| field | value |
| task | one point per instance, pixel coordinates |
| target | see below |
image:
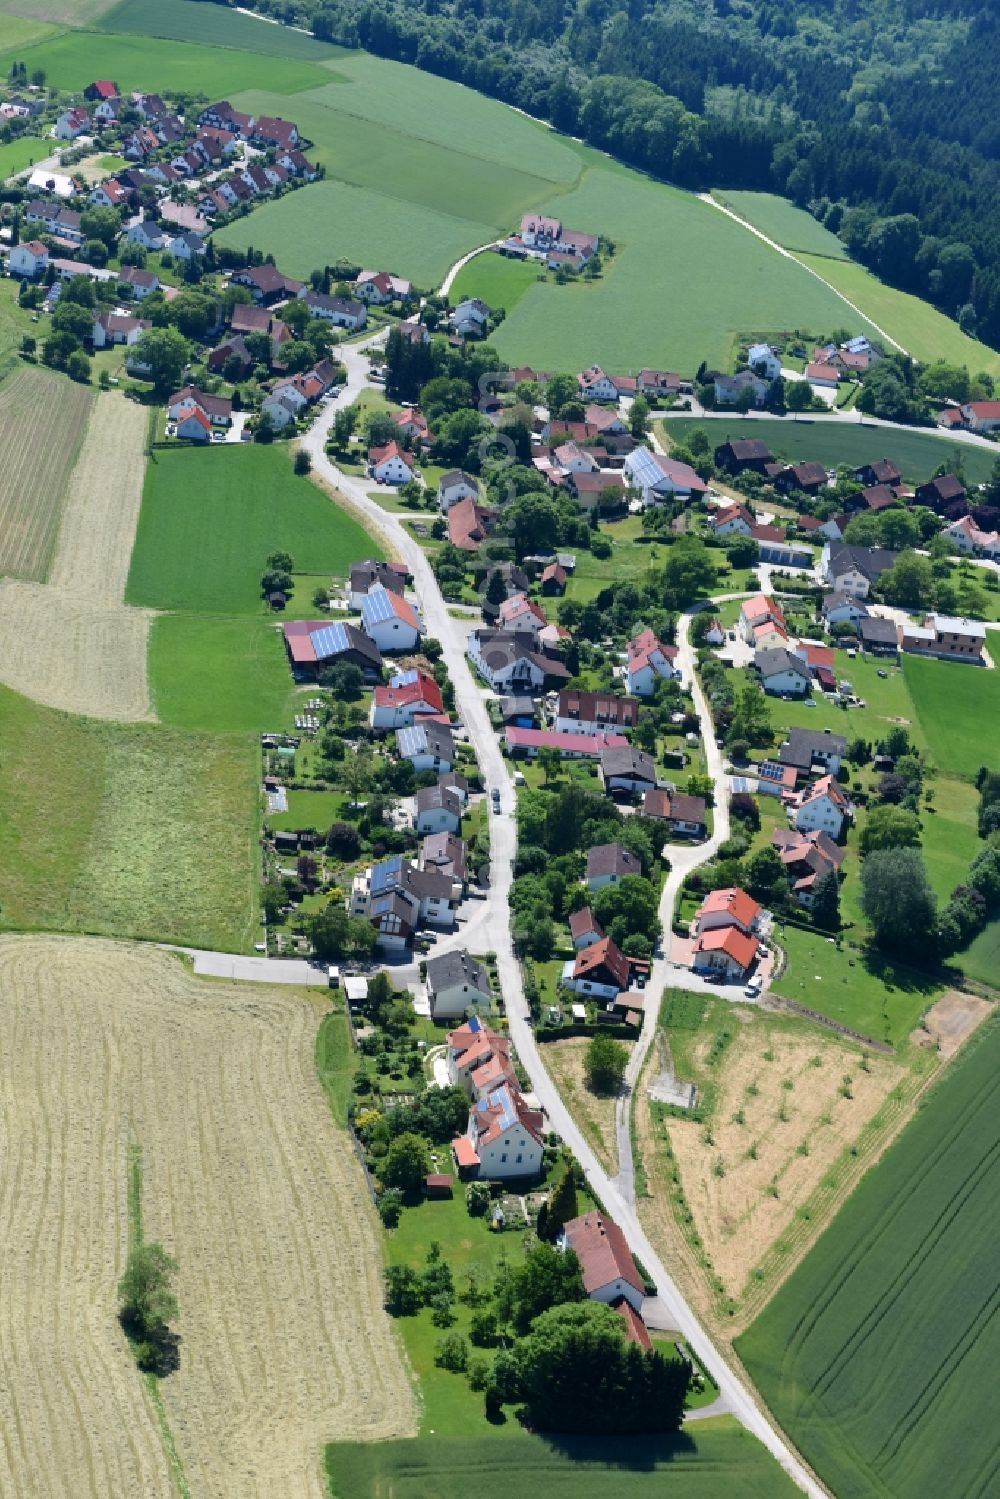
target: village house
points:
(428, 745)
(373, 573)
(71, 123)
(948, 638)
(657, 385)
(139, 283)
(944, 495)
(729, 388)
(781, 672)
(447, 853)
(456, 985)
(684, 815)
(528, 742)
(504, 1138)
(842, 608)
(732, 520)
(218, 409)
(437, 810)
(455, 486)
(192, 425)
(813, 750)
(269, 130)
(342, 312)
(408, 695)
(608, 1270)
(313, 644)
(599, 971)
(807, 858)
(821, 807)
(379, 287)
(879, 637)
(470, 318)
(397, 897)
(853, 569)
(390, 465)
(596, 386)
(729, 907)
(478, 1059)
(609, 864)
(774, 779)
(647, 660)
(807, 477)
(109, 194)
(972, 416)
(584, 928)
(186, 246)
(512, 663)
(265, 283)
(147, 234)
(468, 525)
(764, 362)
(725, 951)
(657, 477)
(112, 328)
(580, 712)
(626, 770)
(28, 260)
(521, 616)
(825, 376)
(969, 538)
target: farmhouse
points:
(313, 644)
(428, 745)
(609, 864)
(456, 984)
(594, 712)
(606, 1264)
(599, 970)
(972, 416)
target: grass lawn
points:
(22, 31)
(330, 219)
(950, 840)
(335, 1063)
(708, 1459)
(309, 809)
(127, 830)
(187, 21)
(497, 279)
(926, 333)
(210, 518)
(73, 60)
(22, 152)
(868, 995)
(917, 453)
(14, 324)
(981, 960)
(959, 711)
(792, 228)
(220, 674)
(877, 1354)
(669, 309)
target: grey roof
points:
(365, 575)
(456, 968)
(879, 631)
(871, 562)
(623, 760)
(837, 600)
(611, 858)
(429, 798)
(800, 748)
(445, 849)
(427, 737)
(771, 661)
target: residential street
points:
(494, 931)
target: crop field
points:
(713, 1458)
(917, 453)
(500, 281)
(62, 12)
(72, 60)
(213, 26)
(226, 675)
(668, 298)
(876, 1356)
(42, 421)
(792, 228)
(128, 830)
(21, 31)
(959, 710)
(918, 326)
(246, 1180)
(209, 519)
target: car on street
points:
(754, 987)
(495, 795)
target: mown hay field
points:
(213, 26)
(225, 675)
(712, 1458)
(127, 829)
(209, 519)
(877, 1355)
(246, 1180)
(792, 228)
(959, 711)
(42, 421)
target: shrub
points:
(452, 1353)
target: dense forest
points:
(878, 115)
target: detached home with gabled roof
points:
(390, 465)
(609, 1272)
(600, 970)
(457, 984)
(390, 620)
(609, 864)
(428, 745)
(821, 807)
(648, 659)
(504, 1139)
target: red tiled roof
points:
(732, 902)
(730, 940)
(588, 744)
(602, 954)
(635, 1328)
(604, 1255)
(464, 1151)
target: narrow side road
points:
(471, 709)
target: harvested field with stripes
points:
(72, 643)
(42, 421)
(246, 1180)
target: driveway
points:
(227, 965)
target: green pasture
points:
(62, 12)
(127, 830)
(981, 959)
(22, 152)
(877, 1356)
(21, 31)
(73, 60)
(320, 223)
(497, 279)
(926, 333)
(959, 711)
(917, 453)
(14, 324)
(950, 840)
(792, 228)
(670, 296)
(210, 518)
(709, 1458)
(224, 675)
(213, 26)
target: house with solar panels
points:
(389, 620)
(397, 897)
(428, 745)
(504, 1139)
(312, 644)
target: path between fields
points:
(745, 224)
(72, 643)
(471, 707)
(463, 260)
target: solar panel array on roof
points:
(404, 679)
(381, 904)
(501, 1099)
(330, 640)
(378, 606)
(386, 874)
(412, 741)
(768, 771)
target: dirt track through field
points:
(72, 643)
(245, 1179)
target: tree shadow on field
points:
(160, 1355)
(634, 1453)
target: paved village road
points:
(471, 708)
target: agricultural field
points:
(917, 453)
(14, 324)
(61, 12)
(792, 228)
(770, 1150)
(714, 1457)
(209, 519)
(498, 280)
(926, 333)
(213, 26)
(224, 675)
(245, 1179)
(42, 421)
(876, 1356)
(73, 60)
(129, 830)
(956, 706)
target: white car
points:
(752, 990)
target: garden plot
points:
(246, 1180)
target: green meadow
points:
(959, 711)
(210, 518)
(707, 1459)
(212, 26)
(780, 220)
(223, 675)
(918, 454)
(877, 1355)
(981, 959)
(498, 280)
